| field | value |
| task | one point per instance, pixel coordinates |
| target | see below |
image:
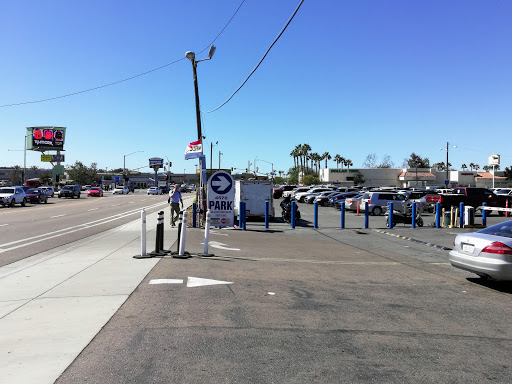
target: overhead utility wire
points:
(263, 58)
(128, 78)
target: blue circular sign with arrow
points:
(221, 183)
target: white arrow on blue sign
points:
(221, 198)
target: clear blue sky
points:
(346, 77)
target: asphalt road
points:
(308, 306)
(25, 231)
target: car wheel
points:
(12, 203)
(46, 201)
(420, 222)
(78, 196)
(24, 202)
(376, 211)
(59, 196)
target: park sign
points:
(45, 138)
(221, 199)
(156, 163)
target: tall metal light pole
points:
(447, 167)
(271, 164)
(124, 165)
(211, 154)
(220, 154)
(23, 176)
(192, 57)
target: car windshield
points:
(6, 190)
(34, 191)
(94, 189)
(503, 192)
(67, 187)
(502, 229)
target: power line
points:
(128, 78)
(261, 61)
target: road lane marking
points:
(191, 282)
(92, 209)
(53, 217)
(63, 232)
(3, 225)
(166, 281)
(116, 205)
(216, 244)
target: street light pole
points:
(447, 167)
(220, 154)
(192, 57)
(211, 155)
(124, 165)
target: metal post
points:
(390, 216)
(438, 215)
(342, 224)
(240, 214)
(267, 213)
(484, 215)
(194, 214)
(461, 211)
(143, 232)
(366, 214)
(292, 213)
(207, 236)
(244, 222)
(413, 218)
(183, 234)
(315, 221)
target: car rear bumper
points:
(491, 267)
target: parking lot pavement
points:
(304, 305)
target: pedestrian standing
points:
(175, 200)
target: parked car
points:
(420, 197)
(340, 197)
(155, 191)
(487, 253)
(36, 195)
(95, 191)
(70, 191)
(278, 192)
(121, 190)
(504, 192)
(50, 192)
(296, 190)
(12, 195)
(351, 203)
(321, 198)
(301, 195)
(379, 201)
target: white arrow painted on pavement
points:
(223, 183)
(216, 244)
(191, 282)
(198, 282)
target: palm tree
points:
(306, 148)
(476, 166)
(326, 156)
(337, 159)
(342, 161)
(348, 163)
(472, 165)
(463, 166)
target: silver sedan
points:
(487, 253)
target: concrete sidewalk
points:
(54, 303)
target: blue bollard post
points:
(240, 214)
(390, 216)
(342, 224)
(315, 222)
(366, 214)
(244, 222)
(413, 218)
(194, 214)
(461, 213)
(292, 214)
(484, 216)
(438, 215)
(267, 210)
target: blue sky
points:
(347, 77)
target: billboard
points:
(46, 138)
(156, 163)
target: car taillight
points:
(498, 248)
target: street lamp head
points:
(212, 51)
(190, 55)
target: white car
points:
(301, 195)
(155, 191)
(12, 195)
(120, 191)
